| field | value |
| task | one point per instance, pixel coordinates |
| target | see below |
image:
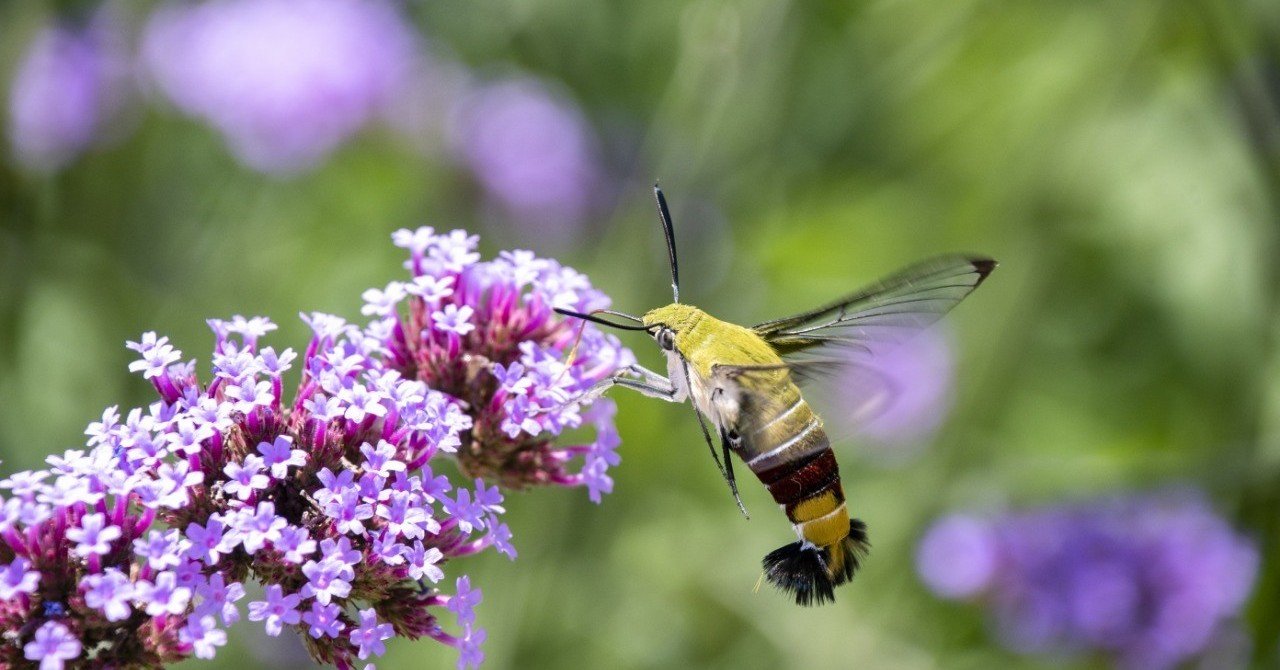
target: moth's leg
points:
(649, 383)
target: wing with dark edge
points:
(890, 310)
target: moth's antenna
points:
(621, 314)
(670, 233)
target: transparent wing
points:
(851, 349)
(890, 310)
(864, 391)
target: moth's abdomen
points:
(791, 455)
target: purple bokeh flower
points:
(958, 557)
(1148, 580)
(895, 395)
(64, 90)
(531, 149)
(285, 81)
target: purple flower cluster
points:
(62, 92)
(286, 81)
(136, 551)
(486, 334)
(1147, 580)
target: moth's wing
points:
(840, 346)
(891, 310)
(865, 391)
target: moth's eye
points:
(667, 339)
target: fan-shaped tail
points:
(811, 573)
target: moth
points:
(744, 381)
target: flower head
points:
(139, 547)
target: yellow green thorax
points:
(706, 341)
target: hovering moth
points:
(744, 381)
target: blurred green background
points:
(1121, 160)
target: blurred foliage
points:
(1122, 160)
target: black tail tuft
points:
(801, 571)
(812, 573)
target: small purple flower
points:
(157, 355)
(161, 549)
(250, 395)
(381, 459)
(340, 550)
(368, 636)
(94, 536)
(204, 636)
(164, 596)
(245, 478)
(422, 563)
(349, 512)
(598, 482)
(280, 455)
(277, 610)
(208, 541)
(454, 319)
(323, 620)
(294, 543)
(257, 528)
(431, 289)
(382, 303)
(17, 577)
(109, 592)
(463, 603)
(276, 365)
(327, 579)
(362, 402)
(53, 644)
(406, 517)
(470, 653)
(220, 598)
(500, 537)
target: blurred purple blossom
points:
(531, 149)
(63, 91)
(1148, 580)
(285, 81)
(895, 396)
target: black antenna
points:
(621, 314)
(603, 322)
(669, 231)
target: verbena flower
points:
(1148, 580)
(285, 81)
(515, 364)
(135, 551)
(62, 93)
